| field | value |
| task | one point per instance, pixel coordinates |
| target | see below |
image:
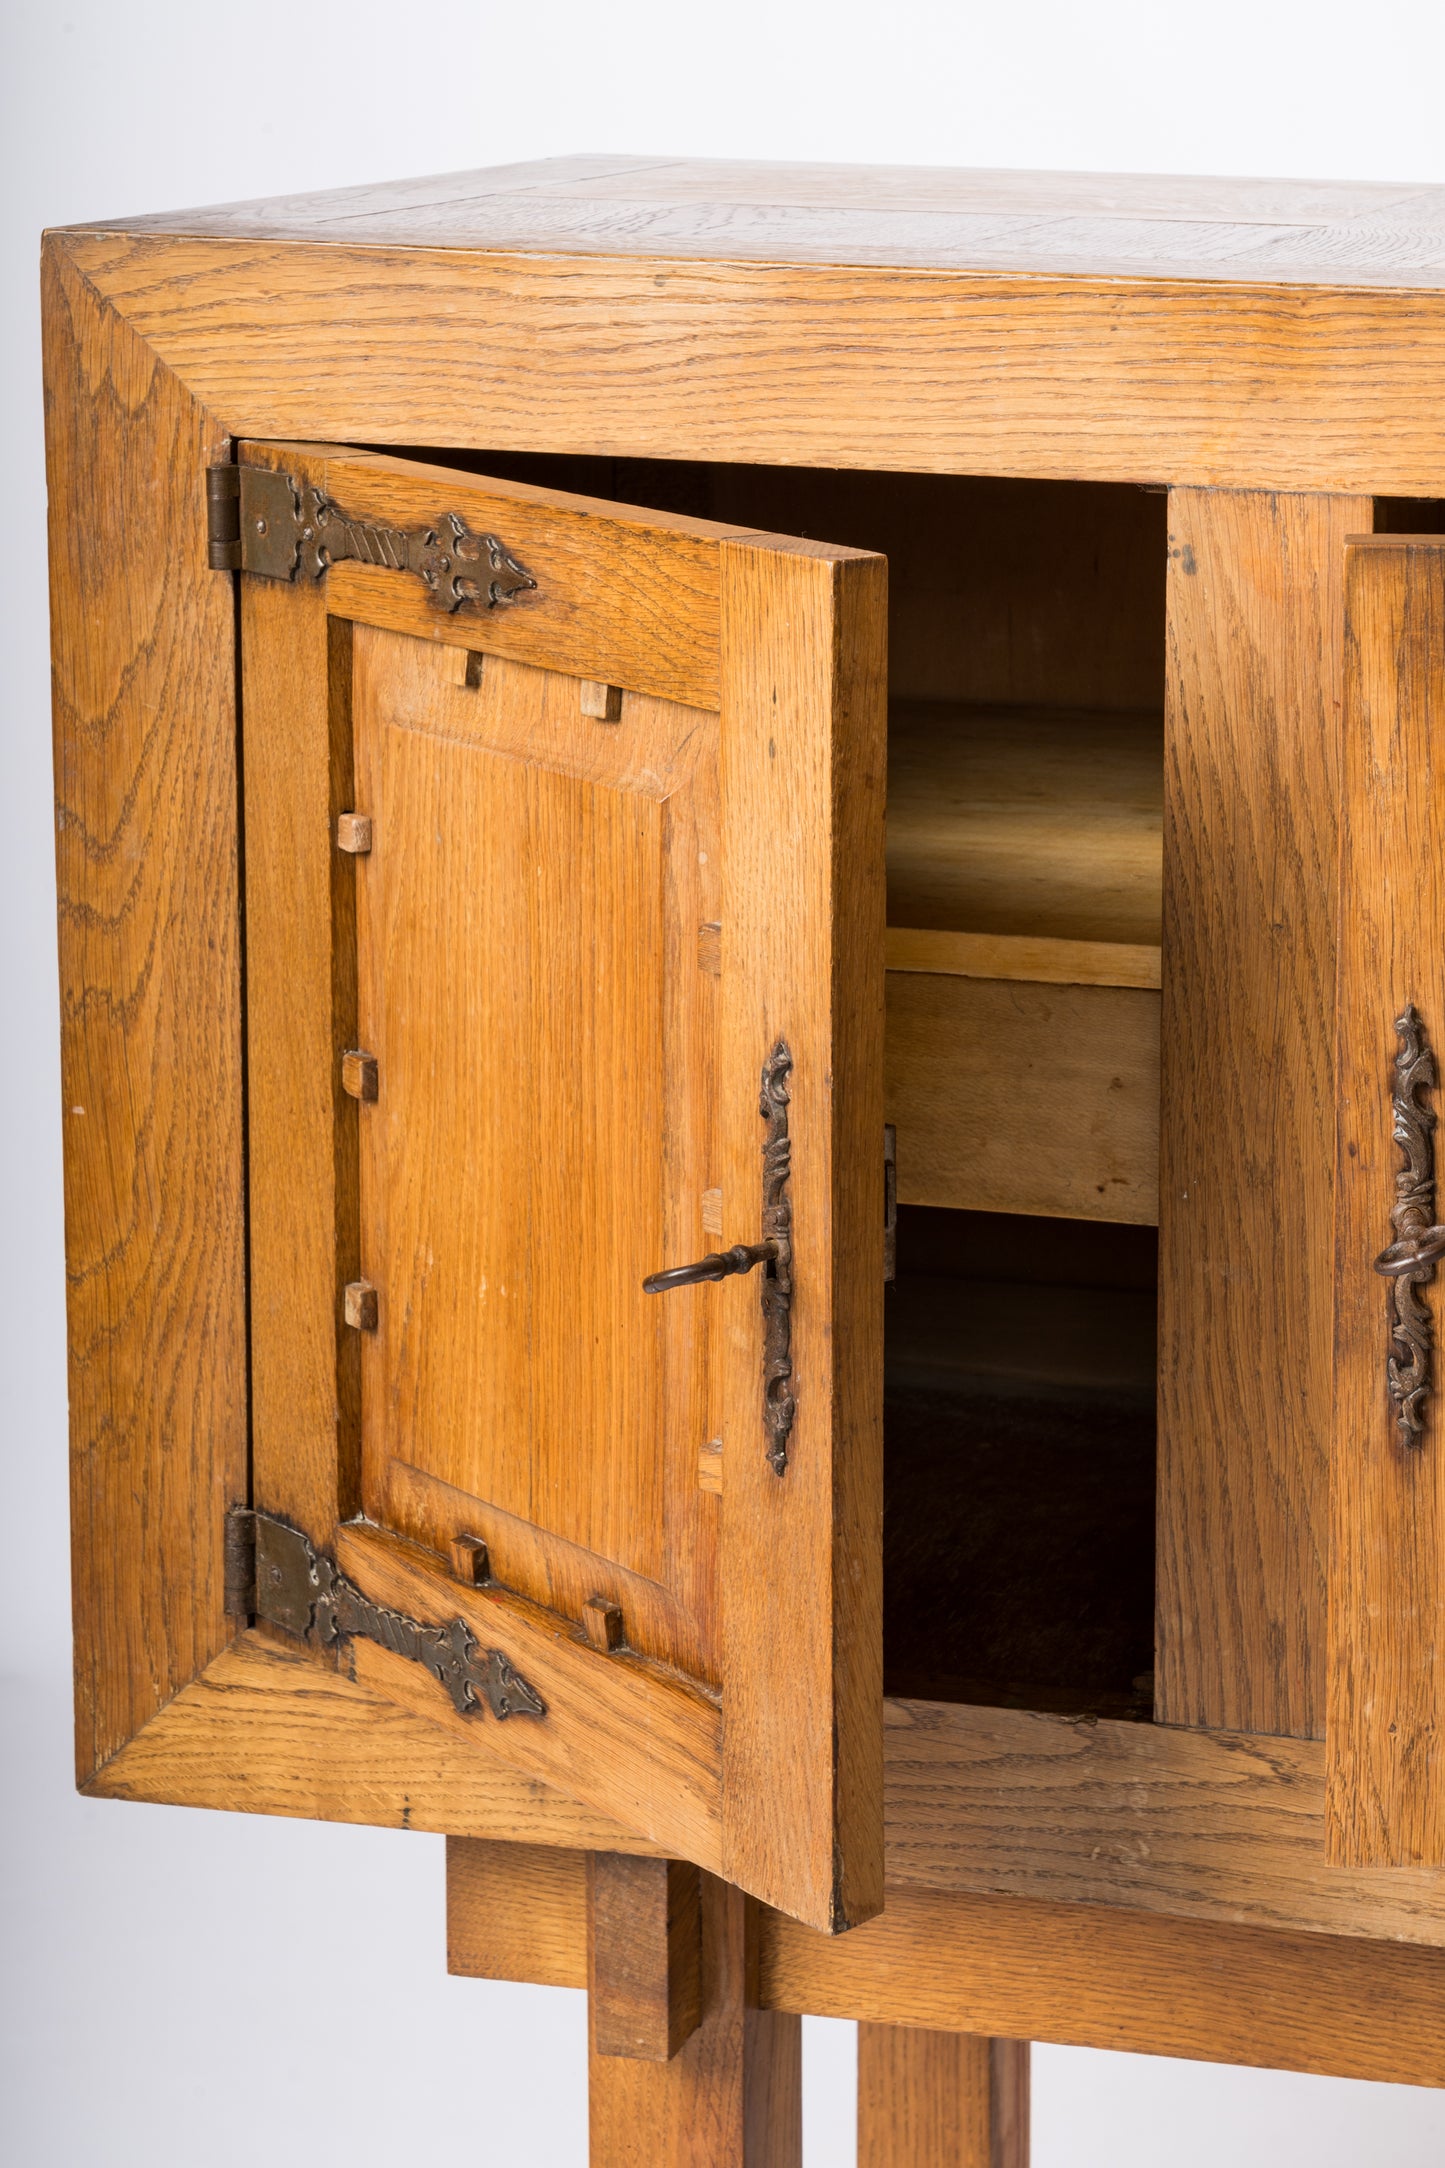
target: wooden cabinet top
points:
(1220, 333)
(1077, 225)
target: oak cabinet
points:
(616, 716)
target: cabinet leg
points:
(731, 2094)
(941, 2100)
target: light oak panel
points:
(1246, 1189)
(941, 2099)
(143, 675)
(803, 751)
(521, 930)
(1387, 1556)
(1022, 1096)
(1210, 384)
(732, 2097)
(1090, 1978)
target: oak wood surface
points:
(1024, 1096)
(1120, 224)
(1247, 1120)
(513, 1909)
(644, 1954)
(1387, 1551)
(558, 1547)
(941, 2099)
(1096, 1978)
(1202, 1825)
(1222, 1829)
(143, 676)
(527, 923)
(732, 2096)
(1085, 1975)
(305, 1240)
(630, 1738)
(625, 593)
(1022, 956)
(1210, 385)
(270, 1729)
(803, 778)
(1041, 821)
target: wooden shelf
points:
(1024, 876)
(1038, 822)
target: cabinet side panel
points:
(146, 863)
(1385, 1795)
(1255, 607)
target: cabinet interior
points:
(1026, 673)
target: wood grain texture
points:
(1022, 956)
(1021, 1096)
(803, 759)
(1207, 1826)
(1247, 1124)
(1387, 1552)
(1220, 384)
(732, 2097)
(1041, 821)
(143, 675)
(941, 2099)
(625, 593)
(513, 1912)
(1123, 224)
(1087, 1976)
(644, 1954)
(301, 1010)
(270, 1729)
(636, 1742)
(1094, 1978)
(528, 977)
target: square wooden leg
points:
(941, 2099)
(731, 2094)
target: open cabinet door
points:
(565, 916)
(1386, 1720)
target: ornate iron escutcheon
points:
(273, 1572)
(268, 523)
(774, 1253)
(1409, 1262)
(779, 1401)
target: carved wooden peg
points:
(360, 1305)
(602, 701)
(644, 1954)
(471, 1560)
(359, 1074)
(353, 833)
(602, 1624)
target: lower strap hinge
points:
(274, 1573)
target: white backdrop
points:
(185, 1988)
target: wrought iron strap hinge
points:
(274, 1573)
(260, 521)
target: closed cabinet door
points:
(1386, 1721)
(564, 923)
